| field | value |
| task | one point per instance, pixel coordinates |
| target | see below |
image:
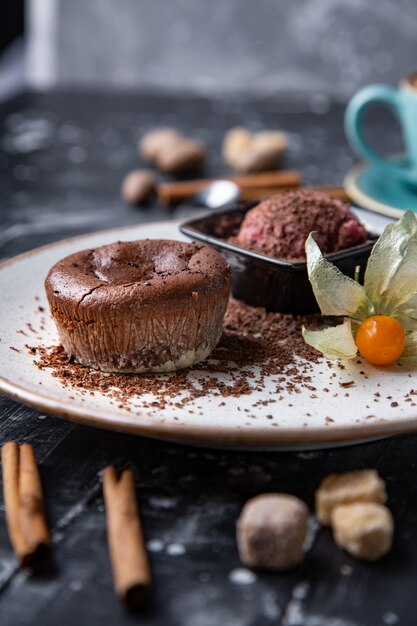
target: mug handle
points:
(355, 110)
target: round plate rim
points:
(195, 434)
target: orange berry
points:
(380, 340)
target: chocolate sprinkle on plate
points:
(251, 337)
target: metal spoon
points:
(217, 196)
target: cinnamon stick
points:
(173, 193)
(131, 572)
(249, 194)
(24, 504)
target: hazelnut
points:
(271, 531)
(364, 529)
(358, 486)
(138, 186)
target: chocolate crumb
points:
(251, 337)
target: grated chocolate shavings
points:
(349, 383)
(251, 337)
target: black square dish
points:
(263, 281)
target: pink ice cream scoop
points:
(280, 225)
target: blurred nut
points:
(183, 155)
(271, 531)
(154, 141)
(171, 152)
(364, 529)
(270, 140)
(358, 486)
(257, 161)
(138, 186)
(257, 152)
(237, 142)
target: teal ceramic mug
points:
(403, 103)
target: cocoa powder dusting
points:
(251, 337)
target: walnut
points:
(364, 529)
(138, 186)
(271, 531)
(358, 486)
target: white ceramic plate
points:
(299, 421)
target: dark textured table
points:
(61, 162)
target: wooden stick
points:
(24, 504)
(131, 572)
(173, 193)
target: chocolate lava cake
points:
(140, 306)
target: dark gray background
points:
(222, 46)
